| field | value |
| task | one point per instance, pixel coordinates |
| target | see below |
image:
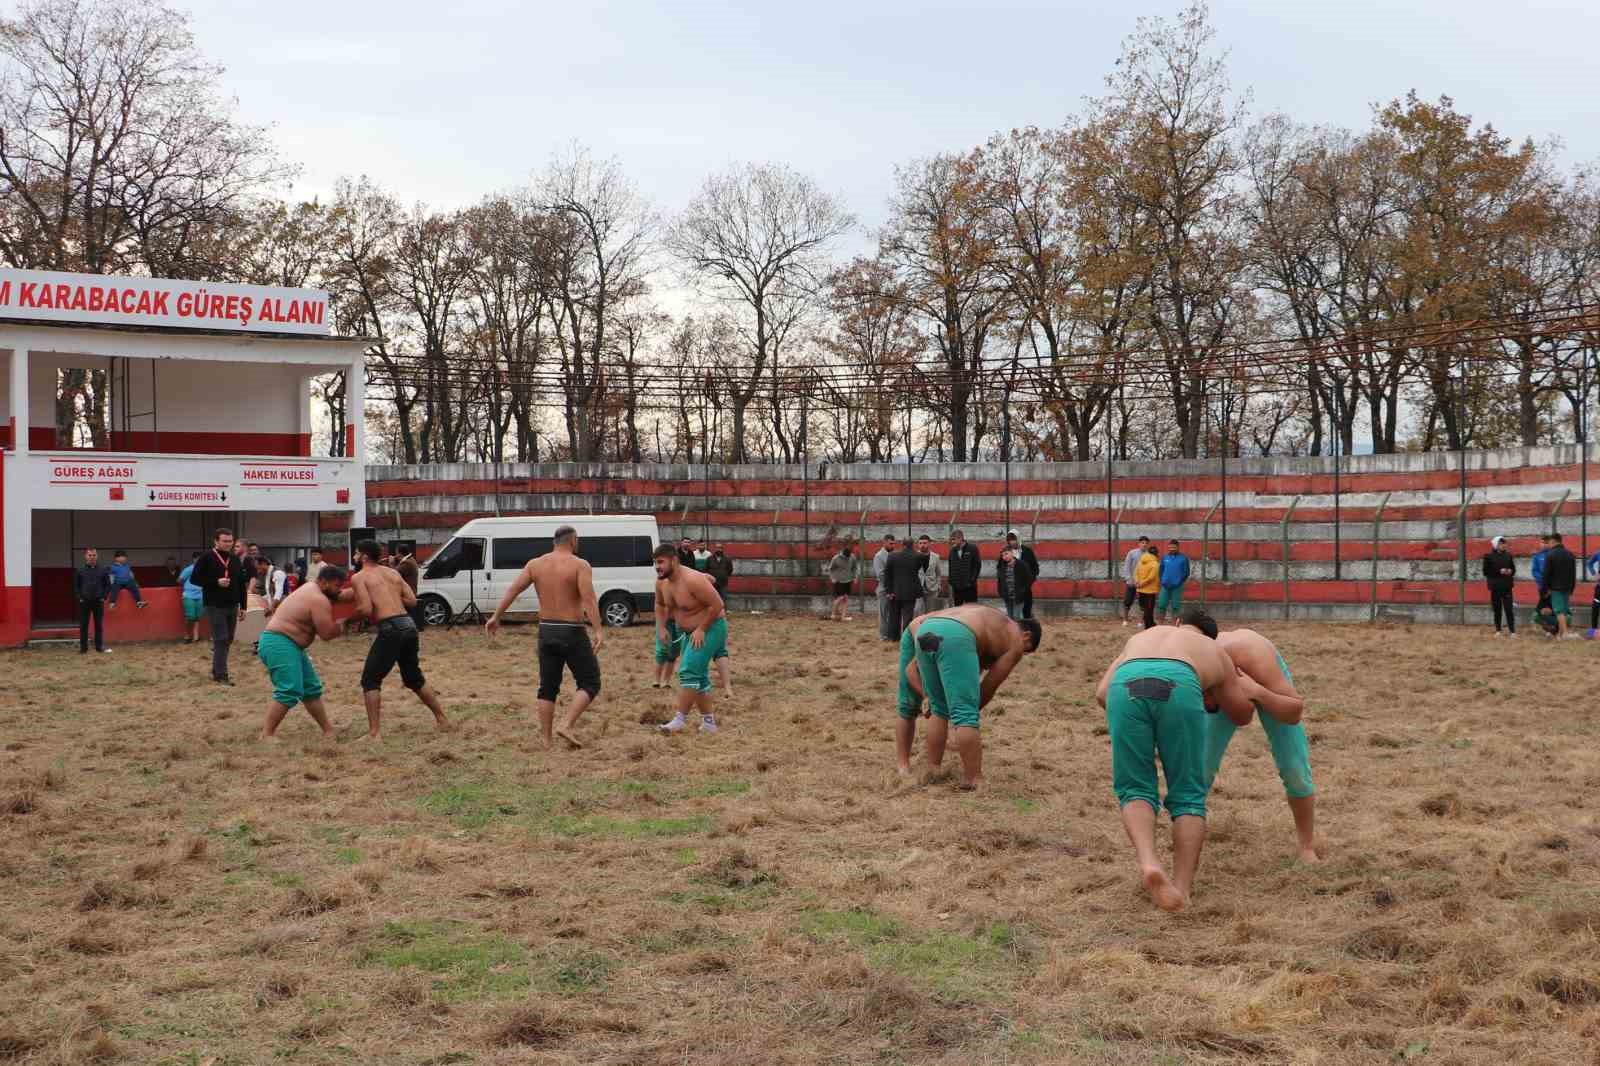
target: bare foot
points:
(572, 741)
(975, 785)
(903, 771)
(1309, 855)
(445, 725)
(374, 737)
(1162, 894)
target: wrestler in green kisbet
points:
(957, 659)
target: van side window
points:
(462, 553)
(513, 553)
(615, 551)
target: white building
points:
(209, 419)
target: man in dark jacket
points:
(223, 585)
(1014, 578)
(91, 584)
(1500, 573)
(903, 575)
(1024, 553)
(965, 564)
(1560, 579)
(686, 554)
(720, 569)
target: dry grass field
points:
(177, 892)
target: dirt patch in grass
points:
(775, 893)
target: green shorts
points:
(946, 653)
(1155, 706)
(1291, 753)
(1561, 603)
(193, 610)
(694, 664)
(1170, 599)
(668, 652)
(294, 679)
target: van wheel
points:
(616, 610)
(435, 612)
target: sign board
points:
(66, 481)
(101, 299)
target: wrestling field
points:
(177, 892)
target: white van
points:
(483, 558)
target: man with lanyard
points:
(223, 583)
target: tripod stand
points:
(469, 613)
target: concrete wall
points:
(780, 523)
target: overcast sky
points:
(443, 103)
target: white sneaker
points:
(104, 651)
(708, 724)
(1512, 635)
(1124, 623)
(674, 726)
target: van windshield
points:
(462, 553)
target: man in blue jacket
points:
(1592, 570)
(1174, 575)
(1536, 564)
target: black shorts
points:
(566, 644)
(842, 588)
(396, 643)
(1130, 593)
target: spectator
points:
(701, 557)
(269, 584)
(122, 578)
(1130, 564)
(171, 578)
(314, 567)
(193, 601)
(1025, 554)
(406, 566)
(880, 563)
(1561, 578)
(1536, 563)
(1147, 579)
(1500, 574)
(1592, 568)
(1174, 575)
(932, 576)
(224, 584)
(91, 584)
(965, 565)
(1014, 577)
(1545, 617)
(686, 553)
(903, 575)
(720, 569)
(841, 575)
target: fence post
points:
(1205, 548)
(1377, 525)
(1283, 534)
(1116, 540)
(683, 521)
(1461, 551)
(861, 558)
(1556, 510)
(776, 514)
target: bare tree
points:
(943, 260)
(116, 151)
(598, 261)
(757, 239)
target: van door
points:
(510, 555)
